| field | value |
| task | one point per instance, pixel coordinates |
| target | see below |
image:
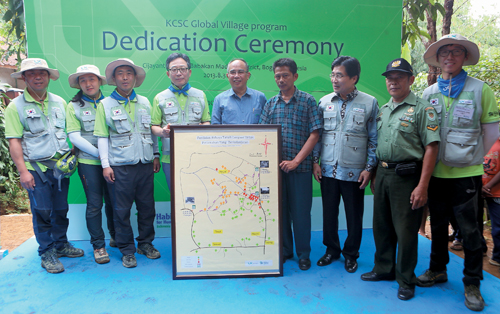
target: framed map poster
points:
(226, 204)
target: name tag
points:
(462, 112)
(465, 101)
(358, 109)
(146, 119)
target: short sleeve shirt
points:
(405, 129)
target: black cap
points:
(400, 65)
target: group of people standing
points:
(415, 151)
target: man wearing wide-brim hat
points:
(123, 125)
(34, 125)
(468, 119)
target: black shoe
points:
(473, 299)
(129, 261)
(429, 278)
(351, 265)
(326, 259)
(287, 257)
(304, 263)
(373, 276)
(406, 293)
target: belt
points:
(390, 165)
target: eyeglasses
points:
(181, 70)
(338, 76)
(455, 52)
(239, 72)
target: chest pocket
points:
(122, 124)
(88, 123)
(35, 123)
(463, 115)
(405, 126)
(171, 114)
(356, 121)
(58, 117)
(194, 112)
(330, 120)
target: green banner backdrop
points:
(212, 32)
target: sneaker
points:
(473, 299)
(129, 260)
(457, 245)
(51, 263)
(101, 256)
(429, 278)
(149, 250)
(112, 242)
(69, 250)
(493, 262)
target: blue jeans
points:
(494, 210)
(49, 208)
(95, 189)
(166, 171)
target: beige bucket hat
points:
(110, 69)
(85, 69)
(35, 64)
(452, 39)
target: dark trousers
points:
(395, 226)
(96, 189)
(133, 183)
(331, 192)
(296, 210)
(457, 197)
(49, 208)
(494, 210)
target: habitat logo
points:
(163, 220)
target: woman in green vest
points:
(80, 119)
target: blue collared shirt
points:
(230, 109)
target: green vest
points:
(86, 116)
(172, 113)
(43, 136)
(461, 136)
(129, 142)
(345, 141)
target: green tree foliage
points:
(12, 28)
(414, 13)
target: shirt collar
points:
(295, 94)
(247, 92)
(411, 100)
(349, 97)
(29, 98)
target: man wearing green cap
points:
(408, 137)
(34, 125)
(468, 118)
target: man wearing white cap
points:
(123, 125)
(468, 119)
(34, 125)
(178, 104)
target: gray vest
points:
(86, 116)
(345, 141)
(129, 142)
(461, 136)
(43, 136)
(172, 113)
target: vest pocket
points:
(165, 146)
(122, 148)
(194, 113)
(38, 146)
(171, 114)
(88, 123)
(122, 124)
(356, 122)
(147, 147)
(460, 145)
(328, 148)
(354, 150)
(329, 120)
(35, 123)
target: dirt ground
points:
(15, 229)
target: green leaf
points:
(8, 15)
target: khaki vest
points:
(172, 113)
(461, 136)
(129, 142)
(43, 136)
(345, 141)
